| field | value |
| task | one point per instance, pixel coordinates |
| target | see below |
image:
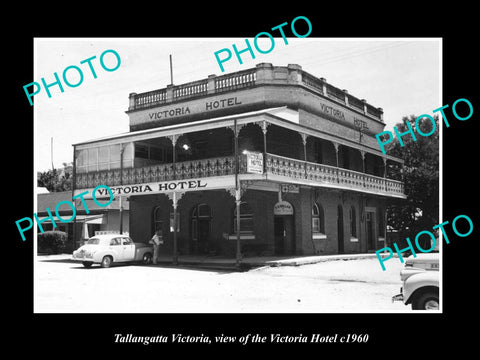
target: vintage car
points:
(109, 248)
(420, 277)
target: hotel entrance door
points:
(284, 235)
(370, 225)
(201, 225)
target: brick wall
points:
(222, 205)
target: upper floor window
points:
(103, 158)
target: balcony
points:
(278, 168)
(331, 176)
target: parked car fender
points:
(418, 283)
(99, 255)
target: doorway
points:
(370, 225)
(201, 226)
(284, 235)
(340, 235)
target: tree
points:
(420, 211)
(56, 179)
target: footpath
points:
(229, 264)
(249, 263)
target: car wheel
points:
(106, 261)
(87, 264)
(147, 258)
(426, 301)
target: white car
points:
(420, 277)
(109, 248)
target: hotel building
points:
(265, 161)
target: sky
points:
(402, 76)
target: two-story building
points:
(265, 161)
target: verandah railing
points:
(287, 168)
(331, 175)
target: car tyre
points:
(426, 301)
(87, 264)
(106, 261)
(147, 258)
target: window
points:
(92, 159)
(353, 222)
(200, 221)
(318, 223)
(103, 158)
(115, 241)
(127, 241)
(246, 219)
(202, 210)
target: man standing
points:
(156, 240)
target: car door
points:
(115, 247)
(128, 249)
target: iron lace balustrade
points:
(331, 175)
(219, 166)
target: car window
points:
(127, 241)
(93, 241)
(115, 241)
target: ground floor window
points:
(246, 219)
(353, 222)
(201, 216)
(318, 222)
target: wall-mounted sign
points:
(360, 124)
(194, 107)
(211, 183)
(283, 208)
(290, 188)
(254, 162)
(332, 111)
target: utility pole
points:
(171, 70)
(51, 152)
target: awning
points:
(87, 219)
(94, 219)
